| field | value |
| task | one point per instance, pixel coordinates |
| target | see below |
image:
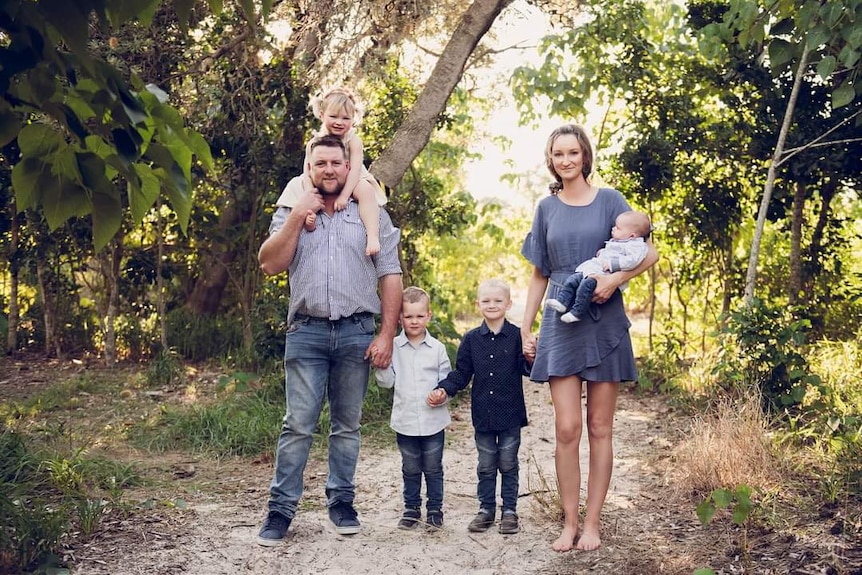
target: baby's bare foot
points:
(566, 540)
(590, 539)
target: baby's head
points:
(631, 224)
(338, 100)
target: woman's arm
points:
(535, 291)
(607, 284)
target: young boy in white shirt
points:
(419, 362)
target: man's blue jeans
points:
(422, 454)
(498, 450)
(322, 358)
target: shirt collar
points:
(401, 339)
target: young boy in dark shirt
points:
(491, 356)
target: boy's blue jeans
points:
(322, 359)
(422, 455)
(498, 450)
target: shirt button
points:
(492, 375)
(492, 392)
(492, 356)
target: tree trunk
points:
(14, 265)
(414, 133)
(205, 298)
(49, 316)
(161, 303)
(815, 248)
(751, 275)
(794, 283)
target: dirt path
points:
(215, 535)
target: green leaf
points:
(853, 35)
(781, 52)
(39, 140)
(705, 511)
(201, 149)
(70, 19)
(183, 9)
(10, 126)
(29, 177)
(826, 66)
(121, 11)
(848, 56)
(143, 196)
(62, 200)
(704, 571)
(722, 497)
(842, 95)
(817, 37)
(107, 217)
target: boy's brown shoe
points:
(509, 523)
(482, 522)
(409, 519)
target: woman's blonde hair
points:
(586, 149)
(338, 98)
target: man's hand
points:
(380, 352)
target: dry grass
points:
(726, 447)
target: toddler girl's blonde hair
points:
(338, 98)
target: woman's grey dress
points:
(597, 348)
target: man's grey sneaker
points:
(555, 305)
(435, 520)
(482, 522)
(274, 529)
(343, 516)
(409, 519)
(509, 523)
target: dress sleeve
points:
(535, 247)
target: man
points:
(330, 338)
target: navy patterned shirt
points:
(496, 364)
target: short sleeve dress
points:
(597, 348)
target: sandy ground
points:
(216, 534)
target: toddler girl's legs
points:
(369, 213)
(568, 421)
(432, 467)
(601, 404)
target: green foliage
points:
(164, 369)
(197, 337)
(831, 30)
(738, 500)
(763, 346)
(85, 131)
(44, 495)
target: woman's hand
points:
(528, 343)
(606, 285)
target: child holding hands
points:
(491, 356)
(419, 361)
(339, 111)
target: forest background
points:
(144, 144)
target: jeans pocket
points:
(367, 325)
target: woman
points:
(570, 226)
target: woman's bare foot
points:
(566, 540)
(372, 247)
(590, 539)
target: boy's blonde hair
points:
(495, 283)
(415, 294)
(338, 98)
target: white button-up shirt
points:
(415, 372)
